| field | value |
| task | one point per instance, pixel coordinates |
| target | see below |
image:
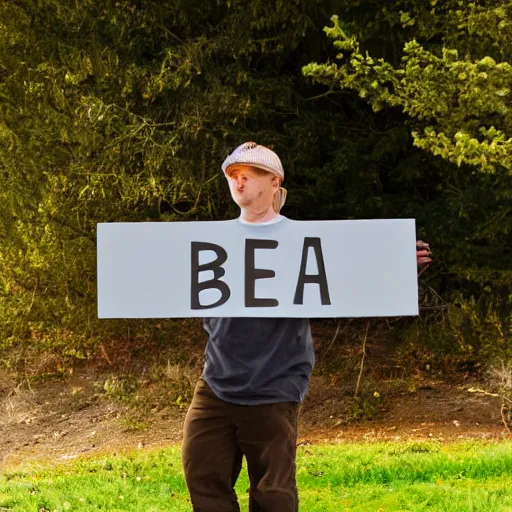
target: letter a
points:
(320, 278)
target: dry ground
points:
(50, 416)
(64, 418)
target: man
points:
(256, 373)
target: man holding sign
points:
(256, 371)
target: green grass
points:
(414, 476)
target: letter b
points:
(218, 272)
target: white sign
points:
(351, 268)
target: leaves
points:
(120, 111)
(449, 84)
(124, 111)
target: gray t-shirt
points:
(252, 361)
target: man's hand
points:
(422, 253)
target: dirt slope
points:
(65, 418)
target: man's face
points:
(251, 187)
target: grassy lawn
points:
(475, 476)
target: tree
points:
(450, 86)
(124, 111)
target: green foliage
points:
(123, 111)
(461, 97)
(365, 407)
(448, 86)
(483, 326)
(156, 387)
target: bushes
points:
(118, 112)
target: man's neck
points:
(257, 217)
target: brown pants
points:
(217, 434)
